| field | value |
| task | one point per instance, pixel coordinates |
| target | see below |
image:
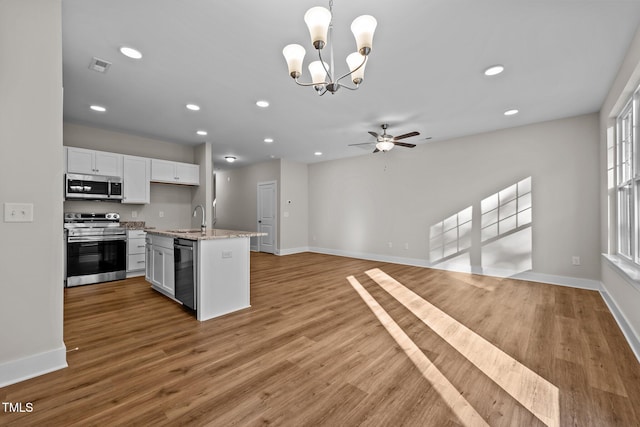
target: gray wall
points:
(175, 202)
(76, 135)
(237, 195)
(203, 194)
(361, 206)
(31, 305)
(294, 207)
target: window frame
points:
(628, 181)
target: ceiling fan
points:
(386, 142)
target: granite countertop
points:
(210, 234)
(133, 225)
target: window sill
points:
(629, 271)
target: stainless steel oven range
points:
(95, 249)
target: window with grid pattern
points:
(627, 181)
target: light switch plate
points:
(227, 254)
(18, 212)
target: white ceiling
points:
(425, 71)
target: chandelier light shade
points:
(357, 71)
(363, 28)
(318, 71)
(294, 55)
(319, 20)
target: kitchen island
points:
(219, 262)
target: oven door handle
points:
(82, 239)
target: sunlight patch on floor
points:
(535, 393)
(451, 396)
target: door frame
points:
(275, 215)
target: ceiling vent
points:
(99, 65)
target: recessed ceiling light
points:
(511, 112)
(98, 108)
(318, 153)
(202, 132)
(493, 70)
(130, 52)
(230, 159)
(193, 107)
(262, 103)
(268, 140)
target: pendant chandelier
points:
(323, 77)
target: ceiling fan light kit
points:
(384, 145)
(323, 77)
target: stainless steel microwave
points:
(93, 187)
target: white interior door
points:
(267, 220)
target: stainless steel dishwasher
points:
(186, 274)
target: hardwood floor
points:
(462, 350)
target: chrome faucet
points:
(203, 226)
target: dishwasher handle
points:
(190, 248)
(183, 244)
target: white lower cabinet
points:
(136, 253)
(160, 270)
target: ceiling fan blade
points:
(407, 135)
(376, 150)
(375, 135)
(404, 144)
(361, 143)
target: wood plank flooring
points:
(310, 352)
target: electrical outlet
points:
(390, 244)
(575, 260)
(406, 246)
(227, 254)
(134, 214)
(161, 214)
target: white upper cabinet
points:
(175, 172)
(188, 173)
(136, 175)
(91, 162)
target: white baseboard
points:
(32, 366)
(572, 282)
(292, 251)
(530, 276)
(371, 257)
(621, 320)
